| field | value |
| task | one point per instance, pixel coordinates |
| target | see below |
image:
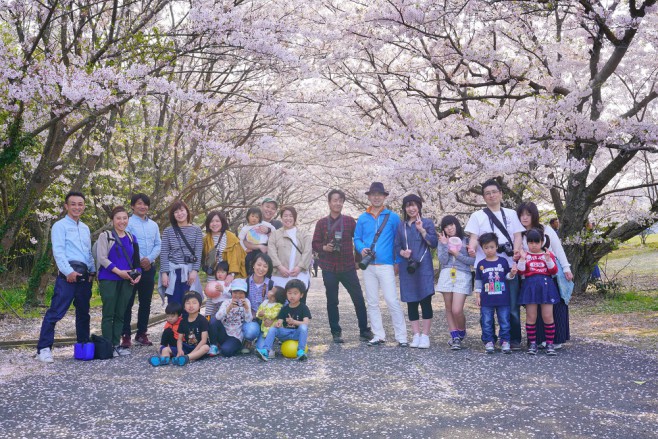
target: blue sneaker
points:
(181, 361)
(155, 361)
(214, 351)
(301, 355)
(262, 354)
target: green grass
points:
(16, 298)
(629, 302)
(651, 239)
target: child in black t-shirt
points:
(292, 323)
(193, 332)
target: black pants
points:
(145, 290)
(425, 306)
(350, 281)
(228, 346)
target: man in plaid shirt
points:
(332, 241)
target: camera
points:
(338, 238)
(189, 259)
(506, 248)
(134, 274)
(412, 266)
(367, 260)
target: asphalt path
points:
(351, 390)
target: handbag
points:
(103, 349)
(211, 258)
(564, 286)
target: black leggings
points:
(425, 306)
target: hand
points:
(396, 269)
(328, 247)
(164, 279)
(278, 324)
(290, 321)
(229, 279)
(219, 287)
(260, 313)
(405, 253)
(518, 254)
(191, 277)
(365, 252)
(477, 300)
(443, 238)
(73, 277)
(262, 230)
(453, 252)
(268, 322)
(123, 274)
(514, 270)
(295, 272)
(263, 248)
(145, 263)
(568, 275)
(136, 281)
(419, 226)
(471, 251)
(547, 256)
(283, 271)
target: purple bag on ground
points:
(83, 351)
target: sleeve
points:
(307, 252)
(395, 218)
(308, 312)
(358, 235)
(283, 313)
(521, 266)
(157, 244)
(431, 237)
(221, 312)
(317, 243)
(135, 262)
(91, 263)
(473, 226)
(552, 266)
(58, 240)
(398, 242)
(198, 247)
(203, 324)
(557, 249)
(443, 255)
(164, 256)
(272, 248)
(249, 316)
(103, 252)
(242, 235)
(463, 256)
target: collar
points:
(370, 210)
(68, 218)
(137, 217)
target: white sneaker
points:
(415, 341)
(45, 355)
(115, 352)
(122, 351)
(424, 342)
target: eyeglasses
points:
(490, 193)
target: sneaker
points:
(45, 355)
(337, 338)
(164, 361)
(143, 340)
(213, 351)
(122, 351)
(366, 335)
(115, 352)
(506, 348)
(301, 355)
(541, 345)
(550, 350)
(489, 347)
(456, 344)
(246, 348)
(424, 342)
(515, 346)
(532, 348)
(125, 341)
(415, 341)
(376, 342)
(155, 361)
(262, 354)
(181, 361)
(403, 344)
(557, 346)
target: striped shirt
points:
(174, 249)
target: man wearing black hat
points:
(375, 234)
(332, 240)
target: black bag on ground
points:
(103, 349)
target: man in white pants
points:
(382, 270)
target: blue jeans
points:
(78, 293)
(487, 322)
(300, 333)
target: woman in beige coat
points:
(290, 250)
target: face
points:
(271, 295)
(411, 210)
(491, 195)
(287, 219)
(269, 210)
(180, 215)
(120, 221)
(221, 274)
(172, 318)
(336, 204)
(294, 295)
(140, 208)
(490, 249)
(556, 224)
(526, 219)
(534, 247)
(238, 295)
(260, 268)
(215, 224)
(192, 306)
(450, 230)
(376, 199)
(74, 207)
(252, 219)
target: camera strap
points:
(293, 243)
(406, 241)
(493, 220)
(179, 235)
(331, 228)
(379, 232)
(118, 242)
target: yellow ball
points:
(289, 348)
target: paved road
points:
(342, 391)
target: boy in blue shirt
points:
(492, 293)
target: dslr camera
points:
(412, 266)
(134, 274)
(189, 259)
(506, 248)
(337, 241)
(367, 260)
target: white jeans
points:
(376, 276)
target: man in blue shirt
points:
(71, 241)
(147, 233)
(381, 272)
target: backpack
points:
(103, 349)
(110, 240)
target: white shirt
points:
(479, 224)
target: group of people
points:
(257, 280)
